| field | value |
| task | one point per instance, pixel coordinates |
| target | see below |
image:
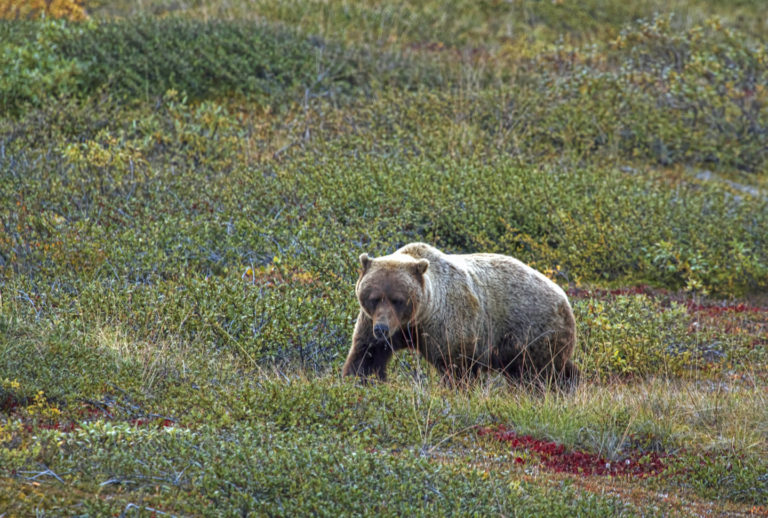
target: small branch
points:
(47, 472)
(143, 508)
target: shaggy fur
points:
(464, 314)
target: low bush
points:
(661, 95)
(32, 70)
(32, 9)
(142, 58)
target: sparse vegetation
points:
(184, 190)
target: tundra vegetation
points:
(185, 187)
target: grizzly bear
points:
(464, 314)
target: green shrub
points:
(653, 94)
(143, 58)
(469, 25)
(146, 57)
(635, 335)
(32, 68)
(723, 474)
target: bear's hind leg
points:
(568, 378)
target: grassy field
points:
(185, 187)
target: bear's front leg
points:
(367, 355)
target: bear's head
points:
(390, 290)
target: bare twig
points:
(143, 508)
(46, 472)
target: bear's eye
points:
(397, 302)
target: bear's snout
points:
(380, 331)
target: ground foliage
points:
(184, 190)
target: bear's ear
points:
(365, 261)
(420, 266)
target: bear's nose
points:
(380, 331)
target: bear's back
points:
(505, 288)
(487, 271)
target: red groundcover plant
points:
(555, 457)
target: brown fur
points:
(464, 314)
